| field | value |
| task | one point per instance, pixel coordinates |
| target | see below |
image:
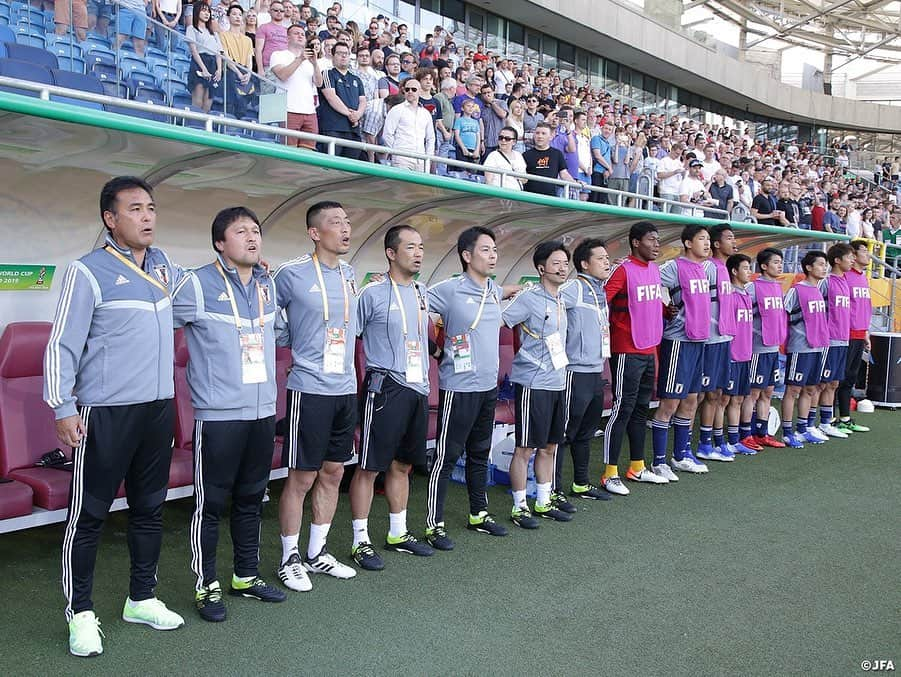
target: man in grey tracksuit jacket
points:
(228, 309)
(108, 376)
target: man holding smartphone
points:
(295, 67)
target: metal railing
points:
(330, 144)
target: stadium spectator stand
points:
(30, 50)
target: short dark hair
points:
(717, 232)
(734, 261)
(235, 6)
(467, 241)
(392, 237)
(584, 249)
(543, 124)
(318, 208)
(764, 255)
(838, 250)
(545, 249)
(639, 230)
(857, 244)
(337, 45)
(511, 129)
(113, 187)
(227, 217)
(809, 259)
(691, 231)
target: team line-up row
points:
(109, 379)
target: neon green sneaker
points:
(85, 634)
(850, 426)
(151, 612)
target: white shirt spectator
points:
(301, 92)
(409, 127)
(853, 223)
(509, 161)
(669, 185)
(502, 78)
(710, 168)
(691, 187)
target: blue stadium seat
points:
(139, 79)
(79, 81)
(66, 46)
(181, 64)
(2, 50)
(31, 40)
(7, 34)
(23, 70)
(94, 41)
(113, 88)
(193, 124)
(182, 100)
(40, 57)
(146, 115)
(150, 95)
(154, 62)
(26, 23)
(156, 52)
(128, 64)
(73, 64)
(100, 55)
(173, 87)
(105, 71)
(4, 14)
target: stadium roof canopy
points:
(853, 29)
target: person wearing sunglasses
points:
(409, 127)
(271, 37)
(505, 158)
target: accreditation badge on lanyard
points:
(334, 352)
(602, 321)
(554, 343)
(413, 372)
(462, 353)
(333, 356)
(253, 358)
(253, 352)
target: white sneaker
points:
(151, 612)
(646, 476)
(663, 470)
(293, 576)
(615, 486)
(325, 563)
(830, 430)
(688, 464)
(85, 634)
(817, 434)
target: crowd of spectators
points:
(378, 84)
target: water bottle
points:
(458, 474)
(531, 488)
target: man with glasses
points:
(408, 66)
(471, 93)
(530, 119)
(296, 70)
(409, 127)
(342, 103)
(271, 37)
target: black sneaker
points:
(367, 558)
(589, 492)
(551, 512)
(257, 589)
(408, 544)
(558, 500)
(485, 524)
(438, 538)
(208, 601)
(522, 518)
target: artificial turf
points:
(783, 563)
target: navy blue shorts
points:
(835, 360)
(715, 368)
(680, 368)
(764, 370)
(803, 369)
(739, 379)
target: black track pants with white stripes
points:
(584, 406)
(465, 423)
(134, 443)
(231, 458)
(633, 383)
